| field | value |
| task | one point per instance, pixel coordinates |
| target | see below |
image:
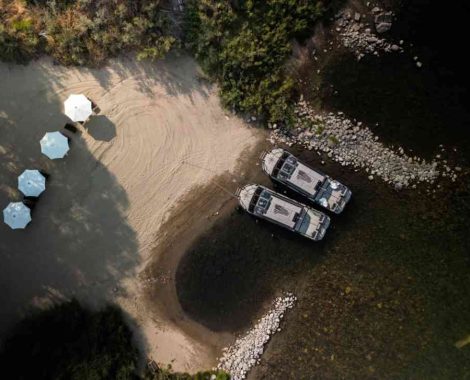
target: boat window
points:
(291, 160)
(288, 169)
(283, 175)
(278, 166)
(254, 199)
(296, 217)
(304, 224)
(285, 166)
(263, 202)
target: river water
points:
(386, 294)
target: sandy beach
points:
(99, 221)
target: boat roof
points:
(270, 205)
(305, 178)
(282, 211)
(292, 170)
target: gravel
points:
(362, 41)
(358, 36)
(239, 358)
(352, 144)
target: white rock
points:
(246, 351)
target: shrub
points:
(83, 32)
(245, 46)
(18, 43)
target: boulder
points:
(383, 27)
(383, 22)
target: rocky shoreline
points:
(352, 144)
(239, 358)
(358, 36)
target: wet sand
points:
(99, 222)
(184, 228)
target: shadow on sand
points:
(101, 128)
(79, 243)
(177, 74)
(149, 74)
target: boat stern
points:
(345, 197)
(314, 225)
(334, 196)
(321, 231)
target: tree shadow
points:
(79, 243)
(74, 342)
(101, 128)
(177, 74)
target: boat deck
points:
(283, 212)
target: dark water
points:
(418, 108)
(387, 293)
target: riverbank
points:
(95, 227)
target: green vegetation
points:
(244, 46)
(18, 39)
(68, 341)
(82, 32)
(333, 139)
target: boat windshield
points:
(263, 202)
(288, 168)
